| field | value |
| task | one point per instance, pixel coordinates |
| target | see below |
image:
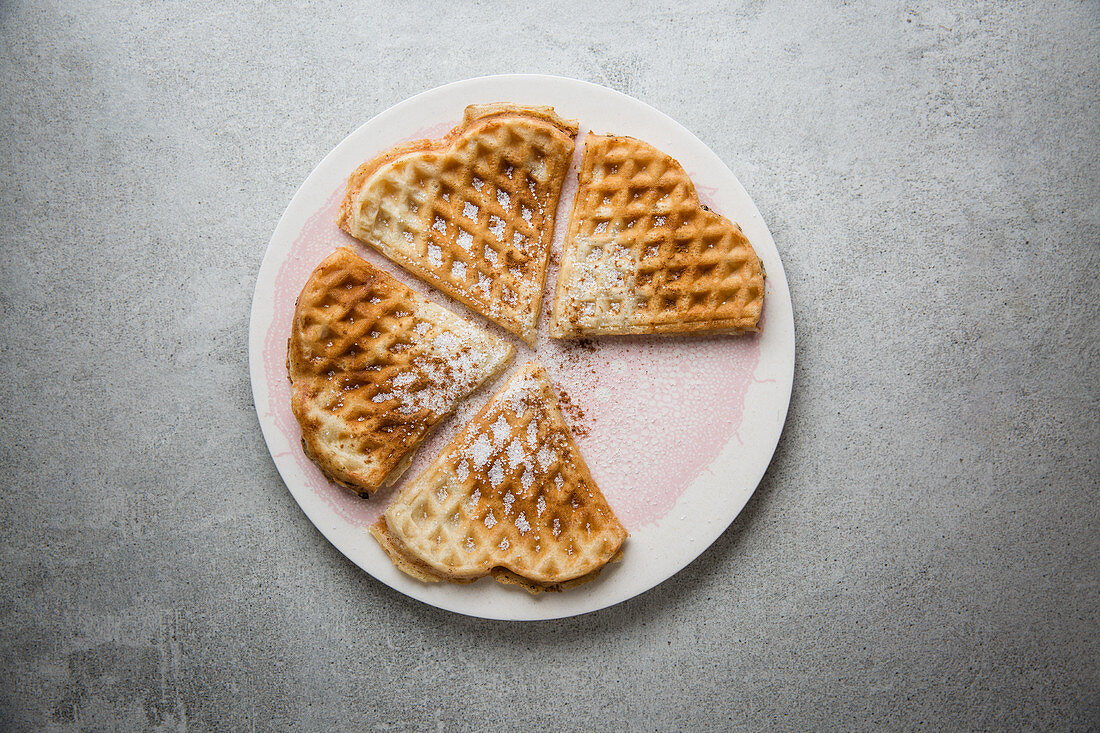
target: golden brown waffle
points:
(420, 570)
(374, 366)
(510, 495)
(472, 213)
(643, 256)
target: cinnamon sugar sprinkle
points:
(574, 414)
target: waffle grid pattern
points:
(643, 256)
(476, 219)
(357, 330)
(510, 491)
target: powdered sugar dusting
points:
(501, 431)
(515, 453)
(435, 255)
(644, 404)
(496, 474)
(452, 364)
(480, 451)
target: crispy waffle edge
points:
(414, 568)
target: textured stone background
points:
(923, 551)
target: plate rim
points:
(258, 374)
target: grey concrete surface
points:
(923, 552)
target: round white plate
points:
(678, 431)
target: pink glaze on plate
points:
(657, 411)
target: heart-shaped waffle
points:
(510, 495)
(374, 366)
(642, 255)
(472, 213)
